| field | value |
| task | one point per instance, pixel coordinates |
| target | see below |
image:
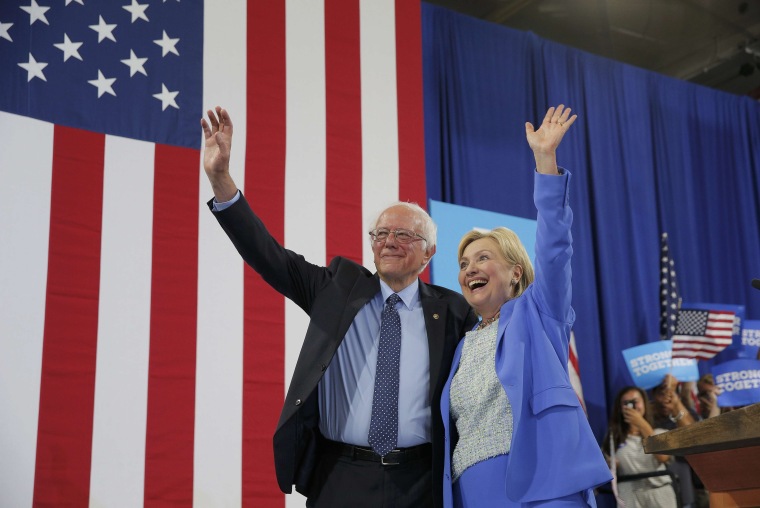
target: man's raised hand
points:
(217, 132)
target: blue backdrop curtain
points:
(649, 154)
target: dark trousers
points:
(341, 480)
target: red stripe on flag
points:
(698, 342)
(411, 139)
(343, 192)
(574, 362)
(173, 326)
(67, 390)
(719, 333)
(697, 351)
(264, 308)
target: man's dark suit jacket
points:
(332, 296)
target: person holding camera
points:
(630, 424)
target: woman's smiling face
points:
(486, 277)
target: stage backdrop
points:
(649, 154)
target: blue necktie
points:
(383, 426)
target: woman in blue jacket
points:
(516, 434)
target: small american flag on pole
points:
(669, 300)
(702, 334)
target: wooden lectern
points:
(724, 452)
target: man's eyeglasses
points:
(402, 235)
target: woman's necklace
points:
(486, 322)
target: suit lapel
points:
(363, 291)
(324, 343)
(435, 310)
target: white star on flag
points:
(105, 31)
(69, 48)
(167, 45)
(4, 27)
(104, 84)
(33, 69)
(80, 2)
(137, 10)
(36, 12)
(166, 97)
(135, 64)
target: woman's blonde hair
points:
(512, 250)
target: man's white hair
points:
(425, 225)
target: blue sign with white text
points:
(738, 381)
(454, 221)
(649, 363)
(750, 339)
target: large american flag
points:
(702, 334)
(140, 363)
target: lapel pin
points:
(435, 316)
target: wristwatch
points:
(677, 417)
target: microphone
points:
(756, 283)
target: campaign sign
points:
(649, 363)
(739, 382)
(750, 339)
(454, 221)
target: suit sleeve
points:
(554, 246)
(286, 271)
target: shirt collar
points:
(409, 295)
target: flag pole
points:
(670, 301)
